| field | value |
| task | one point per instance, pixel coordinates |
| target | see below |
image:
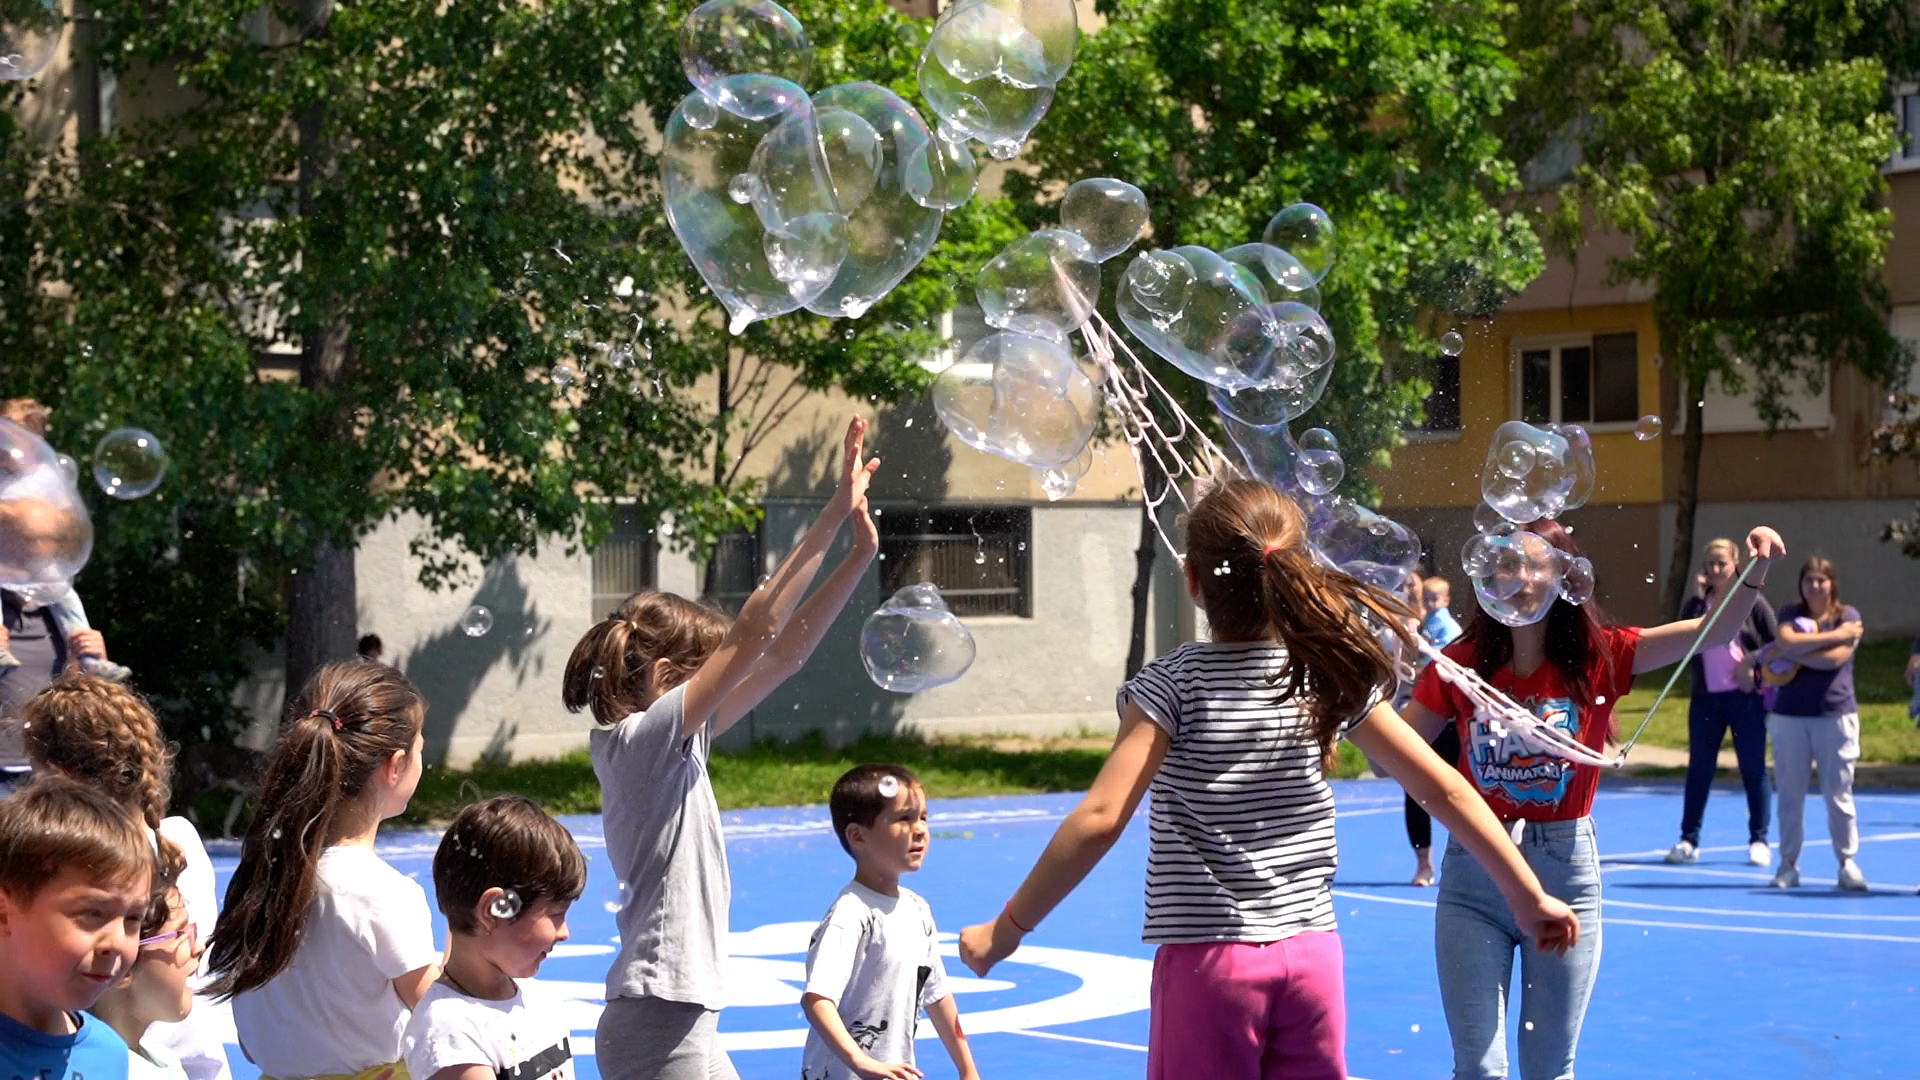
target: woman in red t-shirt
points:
(1569, 669)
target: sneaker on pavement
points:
(1759, 854)
(1786, 878)
(1683, 851)
(1851, 879)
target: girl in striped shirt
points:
(1232, 736)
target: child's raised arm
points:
(767, 610)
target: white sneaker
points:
(1759, 854)
(1851, 879)
(1683, 852)
(1786, 878)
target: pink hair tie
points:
(328, 715)
(1270, 549)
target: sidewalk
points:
(1668, 762)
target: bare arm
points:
(1424, 721)
(464, 1072)
(767, 610)
(796, 641)
(1442, 792)
(1668, 643)
(945, 1016)
(413, 985)
(824, 1015)
(1078, 844)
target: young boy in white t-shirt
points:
(875, 959)
(504, 876)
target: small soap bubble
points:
(69, 468)
(29, 36)
(914, 643)
(46, 535)
(562, 374)
(741, 37)
(476, 622)
(1516, 460)
(1304, 231)
(1649, 579)
(505, 906)
(614, 897)
(128, 463)
(1109, 214)
(741, 188)
(1320, 467)
(1529, 1025)
(1648, 427)
(1451, 343)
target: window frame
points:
(1019, 539)
(1516, 376)
(1425, 434)
(1906, 106)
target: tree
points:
(1738, 146)
(1224, 111)
(439, 226)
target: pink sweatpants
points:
(1233, 1011)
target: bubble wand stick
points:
(1692, 650)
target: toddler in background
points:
(874, 961)
(1438, 625)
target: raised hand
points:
(855, 474)
(986, 944)
(1765, 545)
(866, 535)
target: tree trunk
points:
(322, 613)
(1691, 446)
(1155, 482)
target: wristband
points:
(1753, 584)
(1007, 910)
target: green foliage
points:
(332, 254)
(1224, 111)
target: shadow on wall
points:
(449, 666)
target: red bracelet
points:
(1007, 910)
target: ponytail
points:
(349, 719)
(1244, 530)
(611, 669)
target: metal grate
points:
(979, 556)
(733, 571)
(623, 564)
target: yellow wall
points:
(1445, 470)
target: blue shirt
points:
(1440, 628)
(1813, 692)
(95, 1052)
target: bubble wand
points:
(1507, 718)
(1692, 650)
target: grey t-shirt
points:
(663, 838)
(37, 643)
(877, 958)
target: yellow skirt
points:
(395, 1071)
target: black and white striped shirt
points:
(1241, 843)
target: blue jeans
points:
(1474, 938)
(1708, 718)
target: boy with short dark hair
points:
(75, 871)
(504, 877)
(874, 961)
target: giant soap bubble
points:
(869, 137)
(747, 190)
(742, 37)
(1534, 472)
(1363, 543)
(1109, 214)
(1201, 313)
(29, 34)
(1279, 272)
(1044, 283)
(45, 533)
(990, 67)
(1269, 453)
(1021, 397)
(1305, 232)
(914, 643)
(941, 174)
(1516, 576)
(1270, 403)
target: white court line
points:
(1610, 902)
(1612, 921)
(1082, 1039)
(1660, 852)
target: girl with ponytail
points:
(322, 946)
(1233, 736)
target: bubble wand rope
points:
(1693, 649)
(1507, 718)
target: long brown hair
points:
(103, 734)
(1574, 633)
(1820, 564)
(611, 669)
(1244, 530)
(348, 721)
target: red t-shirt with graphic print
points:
(1517, 784)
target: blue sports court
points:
(1706, 971)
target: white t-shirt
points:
(878, 958)
(517, 1040)
(153, 1061)
(199, 1041)
(334, 1010)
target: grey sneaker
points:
(1683, 852)
(1851, 879)
(102, 668)
(7, 659)
(1759, 854)
(1787, 877)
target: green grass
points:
(1879, 679)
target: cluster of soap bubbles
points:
(1531, 473)
(46, 534)
(825, 202)
(29, 33)
(1020, 392)
(914, 643)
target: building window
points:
(1442, 415)
(1589, 381)
(732, 571)
(623, 563)
(979, 556)
(1906, 121)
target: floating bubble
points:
(913, 643)
(978, 40)
(614, 897)
(1576, 580)
(1280, 274)
(1534, 472)
(742, 37)
(942, 174)
(1648, 427)
(1304, 231)
(1270, 455)
(1488, 520)
(1044, 283)
(1516, 577)
(1451, 343)
(1270, 403)
(1302, 340)
(1579, 463)
(871, 138)
(1202, 314)
(29, 36)
(1516, 460)
(69, 468)
(128, 463)
(506, 906)
(562, 374)
(1109, 214)
(476, 622)
(1059, 481)
(1363, 543)
(46, 535)
(1019, 396)
(1320, 468)
(990, 67)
